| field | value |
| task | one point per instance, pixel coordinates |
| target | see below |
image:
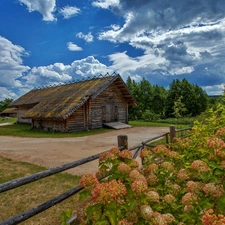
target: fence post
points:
(172, 133)
(122, 141)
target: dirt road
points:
(51, 152)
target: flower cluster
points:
(124, 168)
(221, 132)
(213, 190)
(108, 192)
(209, 218)
(139, 186)
(160, 149)
(200, 166)
(194, 186)
(125, 154)
(189, 199)
(215, 143)
(106, 156)
(89, 181)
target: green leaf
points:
(84, 194)
(102, 222)
(221, 204)
(218, 172)
(111, 214)
(91, 209)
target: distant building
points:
(82, 105)
(9, 112)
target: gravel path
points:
(51, 152)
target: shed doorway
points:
(109, 113)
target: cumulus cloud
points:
(69, 11)
(87, 37)
(73, 47)
(11, 63)
(45, 7)
(177, 38)
(60, 73)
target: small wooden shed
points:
(9, 112)
(76, 106)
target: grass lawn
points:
(30, 195)
(7, 120)
(23, 130)
(148, 124)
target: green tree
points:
(4, 104)
(194, 98)
(158, 100)
(179, 108)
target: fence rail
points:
(122, 144)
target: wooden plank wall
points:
(20, 112)
(110, 96)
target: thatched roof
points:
(59, 102)
(9, 110)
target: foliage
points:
(179, 108)
(5, 103)
(149, 116)
(182, 183)
(148, 97)
(194, 98)
(158, 100)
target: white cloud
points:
(105, 3)
(87, 37)
(45, 7)
(11, 63)
(6, 93)
(73, 47)
(58, 72)
(215, 89)
(69, 11)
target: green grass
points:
(148, 124)
(7, 120)
(24, 130)
(30, 195)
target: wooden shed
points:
(76, 106)
(9, 112)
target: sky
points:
(46, 42)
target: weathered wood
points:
(172, 133)
(123, 141)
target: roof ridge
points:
(76, 81)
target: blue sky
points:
(45, 42)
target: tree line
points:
(181, 99)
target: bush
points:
(182, 183)
(149, 116)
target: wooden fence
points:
(122, 144)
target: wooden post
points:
(122, 141)
(172, 133)
(167, 138)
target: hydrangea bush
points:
(182, 183)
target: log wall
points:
(76, 122)
(50, 125)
